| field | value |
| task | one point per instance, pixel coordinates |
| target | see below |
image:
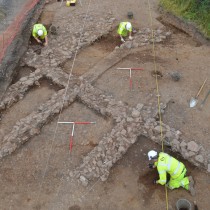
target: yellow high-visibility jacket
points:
(122, 30)
(39, 27)
(167, 164)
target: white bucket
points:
(183, 204)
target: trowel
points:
(194, 101)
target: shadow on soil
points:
(21, 71)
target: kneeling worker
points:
(40, 34)
(123, 30)
(177, 171)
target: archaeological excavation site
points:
(81, 108)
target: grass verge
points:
(197, 11)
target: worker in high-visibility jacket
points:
(40, 34)
(176, 169)
(123, 30)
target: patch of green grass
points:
(197, 11)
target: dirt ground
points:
(36, 176)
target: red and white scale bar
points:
(72, 132)
(130, 70)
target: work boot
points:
(191, 186)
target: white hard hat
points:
(40, 32)
(152, 154)
(128, 26)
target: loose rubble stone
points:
(168, 134)
(208, 169)
(83, 180)
(139, 106)
(199, 158)
(135, 113)
(191, 154)
(129, 119)
(183, 144)
(127, 45)
(192, 146)
(122, 149)
(208, 156)
(158, 129)
(176, 144)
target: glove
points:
(155, 181)
(130, 37)
(150, 165)
(122, 40)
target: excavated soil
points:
(36, 176)
(92, 54)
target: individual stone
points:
(135, 113)
(148, 31)
(163, 37)
(127, 45)
(139, 106)
(84, 181)
(71, 174)
(121, 149)
(168, 33)
(118, 119)
(190, 153)
(159, 31)
(208, 169)
(129, 119)
(103, 178)
(199, 158)
(109, 164)
(158, 129)
(208, 156)
(2, 106)
(23, 79)
(29, 82)
(176, 144)
(168, 134)
(178, 133)
(123, 132)
(183, 144)
(192, 146)
(158, 39)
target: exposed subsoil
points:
(36, 176)
(92, 54)
(26, 106)
(22, 72)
